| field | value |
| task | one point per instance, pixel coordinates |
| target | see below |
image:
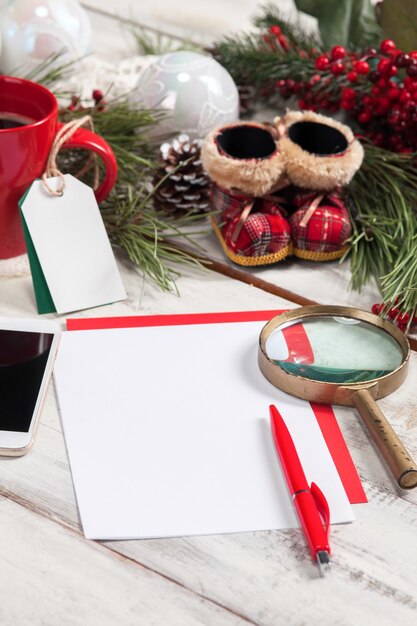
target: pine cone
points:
(186, 187)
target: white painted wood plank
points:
(261, 572)
(256, 574)
(326, 283)
(51, 576)
(199, 290)
(197, 20)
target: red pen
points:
(309, 502)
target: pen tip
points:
(323, 561)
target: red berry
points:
(402, 60)
(382, 105)
(302, 104)
(384, 67)
(361, 67)
(387, 46)
(98, 95)
(405, 96)
(382, 83)
(412, 68)
(379, 139)
(337, 53)
(322, 62)
(364, 117)
(337, 68)
(323, 103)
(393, 117)
(352, 77)
(284, 43)
(413, 54)
(348, 93)
(393, 312)
(316, 78)
(393, 93)
(275, 30)
(347, 105)
(377, 308)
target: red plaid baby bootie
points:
(252, 231)
(245, 165)
(320, 226)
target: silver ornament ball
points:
(34, 30)
(195, 91)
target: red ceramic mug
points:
(28, 125)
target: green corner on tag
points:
(43, 296)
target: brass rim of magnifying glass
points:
(331, 393)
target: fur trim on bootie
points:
(243, 156)
(318, 151)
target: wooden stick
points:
(250, 279)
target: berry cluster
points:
(99, 102)
(377, 88)
(402, 320)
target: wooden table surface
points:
(50, 574)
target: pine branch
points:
(292, 28)
(384, 240)
(251, 61)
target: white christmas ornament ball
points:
(33, 30)
(197, 93)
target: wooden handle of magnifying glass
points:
(397, 457)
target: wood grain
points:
(51, 575)
(257, 576)
(254, 278)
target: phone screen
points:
(23, 358)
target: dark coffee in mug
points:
(12, 120)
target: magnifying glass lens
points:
(334, 349)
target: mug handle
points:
(87, 140)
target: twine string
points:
(52, 169)
(247, 210)
(311, 210)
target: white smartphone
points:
(27, 352)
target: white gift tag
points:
(71, 245)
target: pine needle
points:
(382, 198)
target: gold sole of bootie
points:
(251, 261)
(312, 255)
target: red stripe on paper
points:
(340, 453)
(94, 323)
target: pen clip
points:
(322, 506)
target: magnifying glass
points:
(341, 355)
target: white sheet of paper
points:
(72, 245)
(167, 431)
